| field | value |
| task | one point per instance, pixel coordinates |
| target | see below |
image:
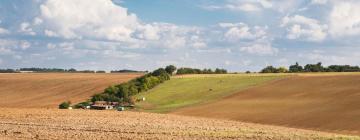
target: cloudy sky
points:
(237, 35)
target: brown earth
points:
(48, 90)
(327, 103)
(90, 124)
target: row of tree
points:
(127, 71)
(318, 67)
(59, 70)
(199, 71)
(123, 92)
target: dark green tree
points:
(295, 68)
(170, 69)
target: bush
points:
(65, 105)
(82, 105)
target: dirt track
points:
(90, 124)
(49, 90)
(326, 103)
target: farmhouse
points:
(26, 71)
(103, 105)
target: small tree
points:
(65, 105)
(295, 68)
(282, 70)
(170, 69)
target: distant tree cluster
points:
(8, 71)
(271, 69)
(123, 92)
(296, 68)
(199, 71)
(49, 70)
(127, 71)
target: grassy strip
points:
(186, 91)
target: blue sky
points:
(237, 35)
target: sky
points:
(237, 35)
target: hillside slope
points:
(47, 90)
(92, 124)
(189, 90)
(319, 102)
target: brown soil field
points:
(311, 101)
(90, 124)
(48, 90)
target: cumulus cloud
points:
(320, 2)
(345, 19)
(98, 19)
(241, 31)
(300, 27)
(254, 5)
(260, 49)
(25, 28)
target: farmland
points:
(326, 102)
(225, 106)
(89, 124)
(189, 90)
(48, 90)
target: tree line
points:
(59, 70)
(123, 92)
(318, 67)
(127, 71)
(181, 71)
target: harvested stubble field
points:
(325, 102)
(89, 124)
(47, 90)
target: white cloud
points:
(255, 5)
(102, 20)
(247, 7)
(50, 33)
(300, 27)
(4, 50)
(197, 42)
(25, 28)
(99, 19)
(241, 31)
(150, 32)
(37, 21)
(260, 49)
(67, 46)
(51, 46)
(320, 2)
(345, 19)
(25, 45)
(4, 31)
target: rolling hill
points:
(47, 90)
(326, 102)
(189, 90)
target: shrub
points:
(82, 104)
(65, 105)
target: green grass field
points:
(184, 91)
